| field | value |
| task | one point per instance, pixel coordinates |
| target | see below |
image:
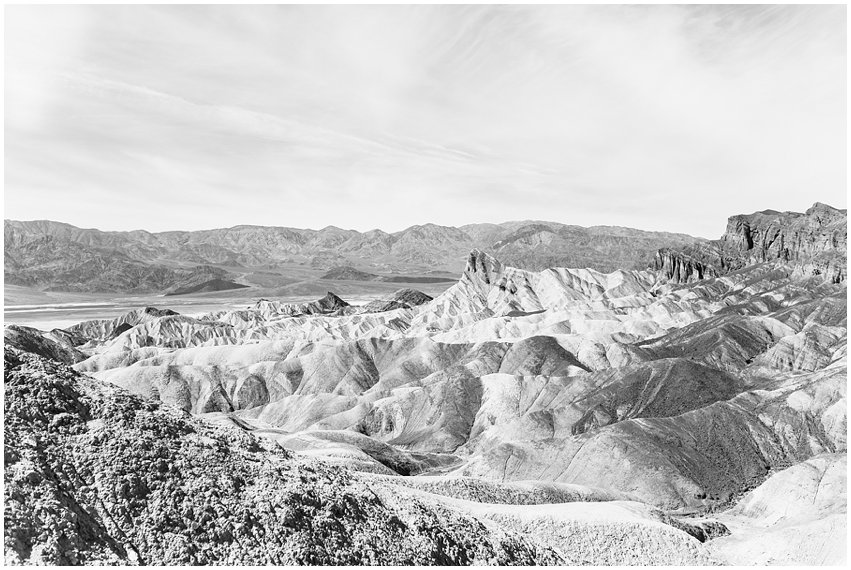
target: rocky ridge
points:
(814, 243)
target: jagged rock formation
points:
(788, 236)
(680, 268)
(814, 243)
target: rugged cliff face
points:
(814, 243)
(682, 268)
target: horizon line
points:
(460, 227)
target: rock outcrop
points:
(59, 347)
(679, 267)
(401, 299)
(814, 243)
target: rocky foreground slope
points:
(94, 475)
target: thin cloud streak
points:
(191, 117)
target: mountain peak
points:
(482, 266)
(332, 301)
(825, 213)
(823, 206)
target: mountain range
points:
(54, 256)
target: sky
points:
(192, 117)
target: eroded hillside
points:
(94, 475)
(680, 404)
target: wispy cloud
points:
(660, 117)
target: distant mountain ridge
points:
(58, 256)
(55, 256)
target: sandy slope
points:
(798, 516)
